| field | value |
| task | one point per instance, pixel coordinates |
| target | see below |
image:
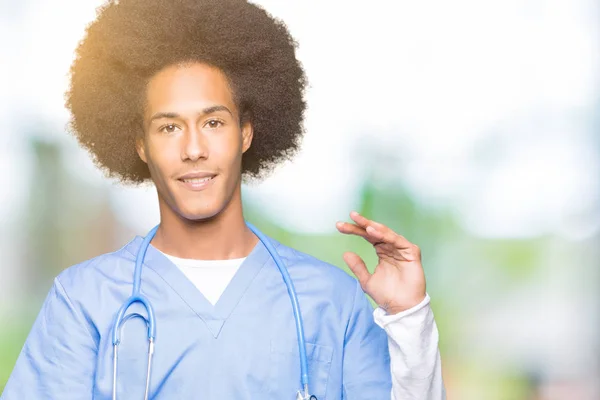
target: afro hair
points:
(131, 40)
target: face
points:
(193, 141)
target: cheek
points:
(227, 149)
(162, 154)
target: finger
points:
(358, 268)
(364, 222)
(375, 233)
(388, 236)
(351, 229)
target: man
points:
(193, 95)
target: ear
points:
(247, 134)
(141, 149)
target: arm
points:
(58, 358)
(415, 357)
(397, 285)
(366, 362)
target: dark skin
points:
(206, 224)
(398, 281)
(192, 126)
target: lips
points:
(197, 180)
(197, 175)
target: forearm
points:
(414, 353)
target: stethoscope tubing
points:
(137, 297)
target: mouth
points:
(197, 182)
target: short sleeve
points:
(366, 363)
(59, 356)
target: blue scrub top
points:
(243, 347)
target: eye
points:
(214, 123)
(168, 128)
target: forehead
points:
(188, 87)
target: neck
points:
(221, 237)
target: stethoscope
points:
(137, 297)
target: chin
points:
(199, 213)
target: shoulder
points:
(335, 295)
(79, 289)
(89, 274)
(320, 273)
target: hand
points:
(398, 282)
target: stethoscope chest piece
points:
(300, 396)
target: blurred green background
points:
(471, 128)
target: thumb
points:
(358, 268)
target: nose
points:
(195, 145)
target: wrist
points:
(395, 308)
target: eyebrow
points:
(205, 111)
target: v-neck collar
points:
(214, 316)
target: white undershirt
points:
(211, 277)
(412, 334)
